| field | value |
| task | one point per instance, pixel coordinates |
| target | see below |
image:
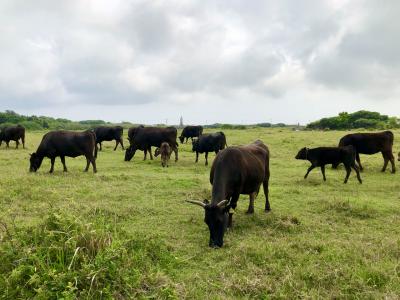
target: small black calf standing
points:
(321, 156)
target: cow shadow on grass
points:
(271, 222)
(345, 208)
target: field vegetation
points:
(127, 232)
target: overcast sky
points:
(209, 61)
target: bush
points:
(65, 258)
(359, 119)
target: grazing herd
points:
(236, 170)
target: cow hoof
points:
(250, 212)
(267, 210)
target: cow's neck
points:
(219, 192)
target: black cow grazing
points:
(165, 152)
(191, 132)
(64, 143)
(235, 171)
(104, 133)
(321, 156)
(371, 143)
(132, 131)
(213, 142)
(13, 133)
(147, 137)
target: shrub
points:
(65, 258)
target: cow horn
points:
(203, 205)
(222, 203)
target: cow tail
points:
(341, 142)
(226, 144)
(353, 153)
(95, 149)
(391, 137)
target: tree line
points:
(10, 117)
(357, 120)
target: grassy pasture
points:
(321, 239)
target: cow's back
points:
(14, 132)
(243, 167)
(68, 143)
(369, 143)
(212, 142)
(154, 136)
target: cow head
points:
(302, 153)
(216, 218)
(36, 162)
(130, 152)
(195, 145)
(181, 138)
(157, 152)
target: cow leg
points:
(151, 154)
(122, 143)
(266, 193)
(206, 155)
(175, 149)
(52, 160)
(385, 161)
(348, 171)
(197, 156)
(232, 204)
(250, 210)
(93, 161)
(63, 162)
(87, 164)
(359, 161)
(145, 153)
(8, 144)
(354, 166)
(323, 172)
(16, 144)
(309, 170)
(100, 147)
(116, 144)
(23, 142)
(391, 158)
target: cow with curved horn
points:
(235, 171)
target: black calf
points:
(319, 157)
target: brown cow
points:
(235, 171)
(371, 143)
(147, 137)
(165, 152)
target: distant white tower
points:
(181, 122)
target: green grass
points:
(137, 238)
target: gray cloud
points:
(138, 55)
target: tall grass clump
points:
(64, 257)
